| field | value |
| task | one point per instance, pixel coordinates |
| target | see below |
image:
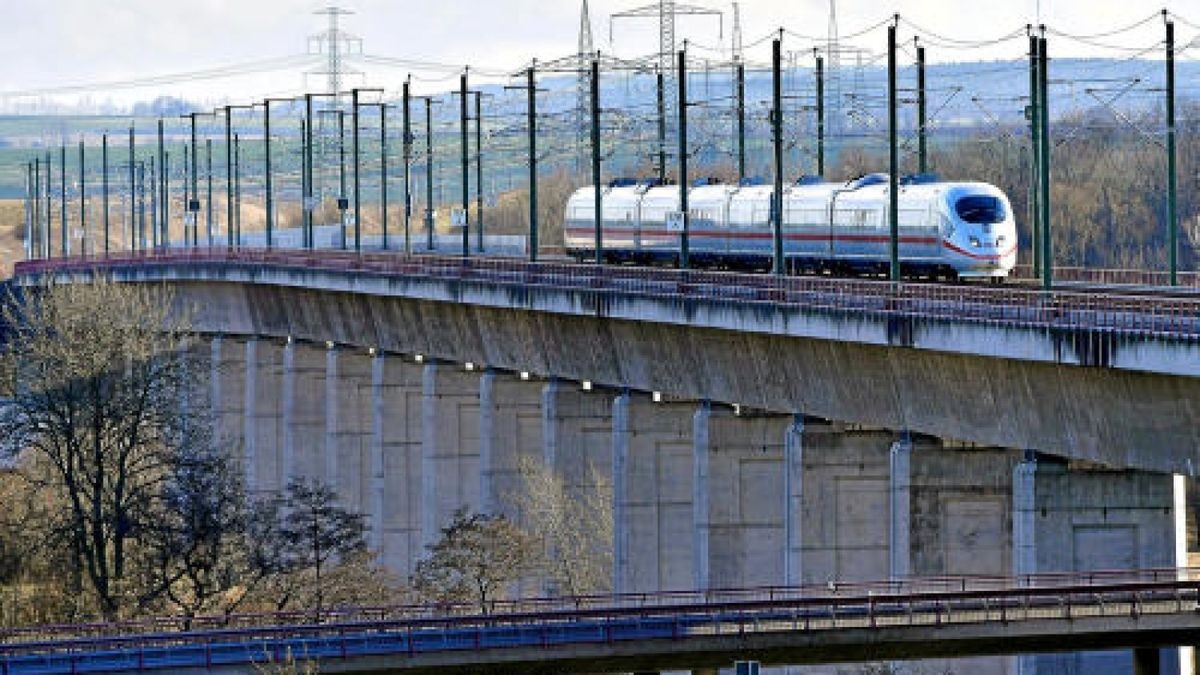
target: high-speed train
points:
(948, 229)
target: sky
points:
(50, 43)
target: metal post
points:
(28, 210)
(194, 201)
(49, 245)
(104, 186)
(357, 192)
(383, 172)
(922, 132)
(429, 172)
(305, 179)
(268, 186)
(662, 129)
(531, 81)
(308, 173)
(777, 261)
(597, 194)
(681, 73)
(479, 169)
(893, 163)
(187, 197)
(229, 176)
(343, 202)
(83, 227)
(161, 237)
(1172, 179)
(820, 116)
(407, 150)
(64, 243)
(208, 211)
(153, 202)
(1035, 156)
(741, 120)
(237, 190)
(141, 201)
(1044, 183)
(463, 145)
(37, 205)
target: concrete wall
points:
(1116, 416)
(703, 496)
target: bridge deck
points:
(1129, 311)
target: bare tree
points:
(477, 558)
(298, 538)
(93, 376)
(197, 551)
(574, 525)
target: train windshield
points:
(980, 209)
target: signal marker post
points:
(683, 160)
(1172, 179)
(777, 142)
(597, 194)
(893, 163)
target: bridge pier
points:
(262, 437)
(739, 528)
(1072, 518)
(652, 494)
(510, 416)
(397, 399)
(348, 425)
(304, 383)
(449, 446)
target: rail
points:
(1113, 312)
(549, 622)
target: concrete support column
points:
(1086, 519)
(450, 446)
(400, 401)
(900, 511)
(620, 481)
(701, 521)
(550, 425)
(652, 447)
(215, 400)
(511, 426)
(793, 502)
(376, 500)
(249, 415)
(1024, 521)
(331, 416)
(287, 454)
(488, 501)
(1179, 488)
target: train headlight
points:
(1000, 240)
(975, 242)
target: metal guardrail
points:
(1112, 277)
(1114, 312)
(545, 623)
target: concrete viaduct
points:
(755, 431)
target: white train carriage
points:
(964, 229)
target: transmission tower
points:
(335, 44)
(736, 41)
(666, 11)
(583, 90)
(833, 62)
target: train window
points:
(980, 209)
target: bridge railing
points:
(684, 617)
(831, 591)
(1120, 311)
